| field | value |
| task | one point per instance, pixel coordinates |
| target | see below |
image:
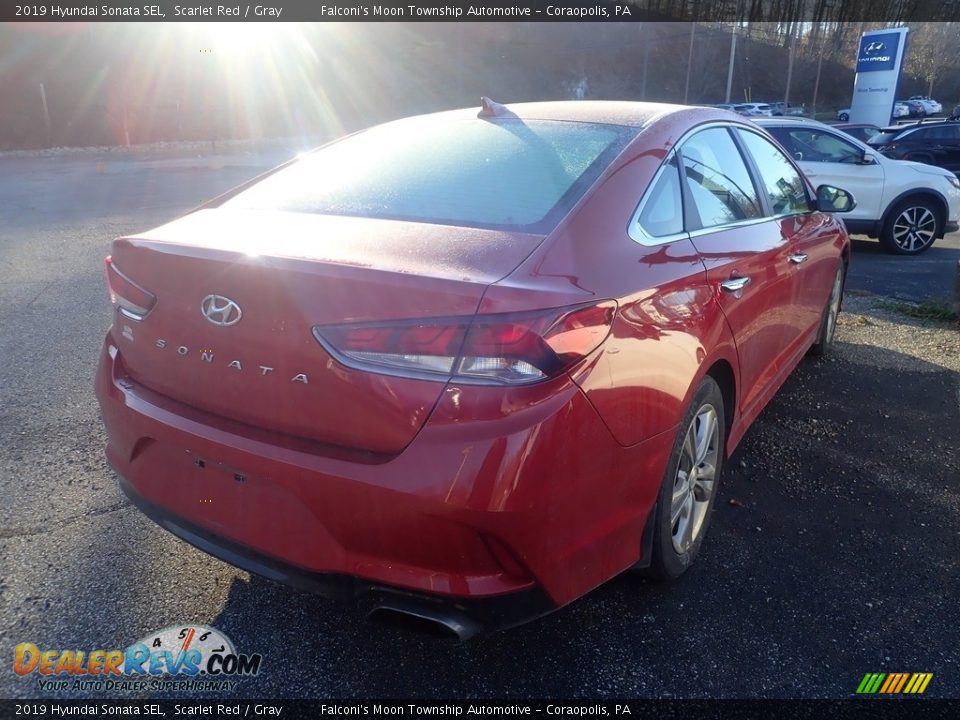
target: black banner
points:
(873, 708)
(330, 11)
(460, 11)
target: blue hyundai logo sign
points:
(878, 52)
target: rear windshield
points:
(502, 174)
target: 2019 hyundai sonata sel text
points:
(465, 367)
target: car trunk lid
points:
(285, 273)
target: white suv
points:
(906, 204)
(754, 109)
(930, 106)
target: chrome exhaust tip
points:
(431, 622)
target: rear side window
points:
(942, 132)
(503, 174)
(784, 187)
(718, 180)
(662, 212)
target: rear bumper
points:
(504, 518)
(486, 613)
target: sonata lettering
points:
(208, 356)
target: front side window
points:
(718, 179)
(814, 145)
(662, 213)
(782, 183)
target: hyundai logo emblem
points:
(873, 48)
(220, 310)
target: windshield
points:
(502, 174)
(882, 138)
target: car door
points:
(943, 144)
(828, 158)
(745, 254)
(812, 256)
(952, 142)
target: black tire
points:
(666, 561)
(844, 117)
(912, 227)
(828, 321)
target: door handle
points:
(798, 258)
(735, 284)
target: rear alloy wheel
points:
(828, 323)
(912, 227)
(690, 484)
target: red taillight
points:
(509, 349)
(129, 298)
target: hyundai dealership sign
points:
(878, 73)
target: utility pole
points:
(645, 32)
(686, 89)
(786, 94)
(816, 82)
(733, 54)
(46, 110)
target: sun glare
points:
(242, 40)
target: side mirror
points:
(866, 159)
(834, 200)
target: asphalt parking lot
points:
(833, 551)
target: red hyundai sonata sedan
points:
(465, 367)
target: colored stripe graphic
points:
(903, 680)
(871, 683)
(894, 683)
(918, 683)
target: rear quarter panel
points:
(669, 328)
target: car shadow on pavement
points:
(832, 548)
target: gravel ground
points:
(871, 321)
(833, 550)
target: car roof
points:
(605, 112)
(788, 121)
(935, 122)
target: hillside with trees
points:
(118, 84)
